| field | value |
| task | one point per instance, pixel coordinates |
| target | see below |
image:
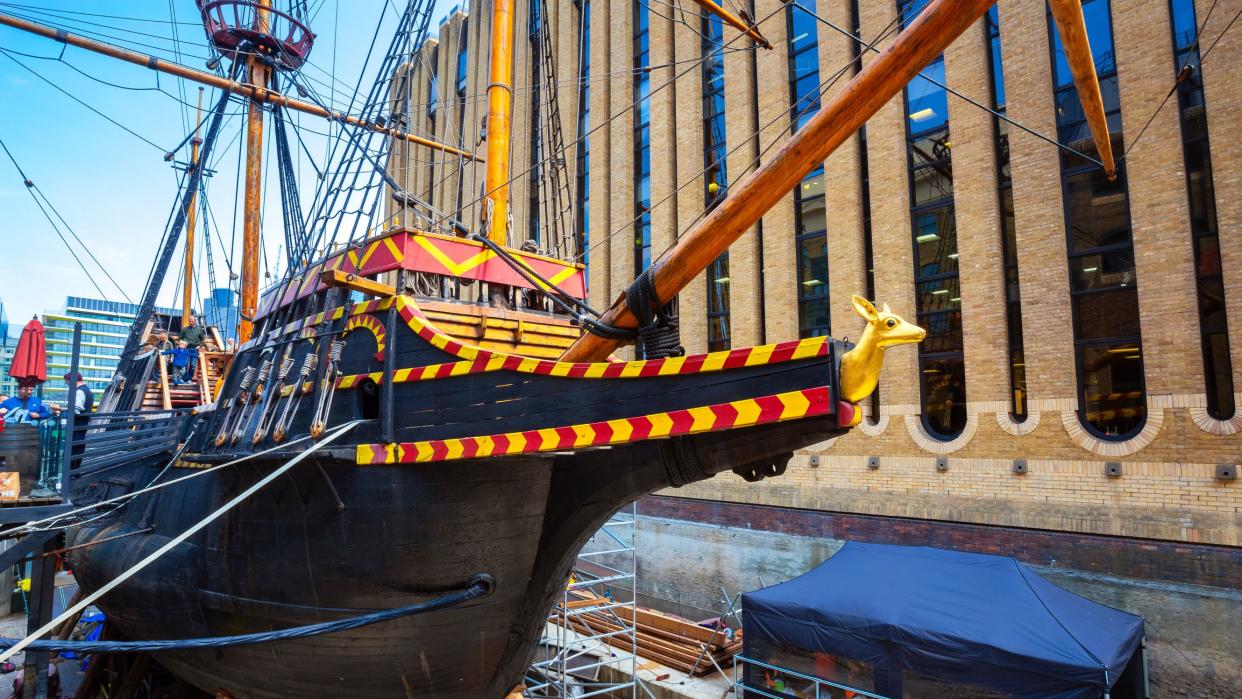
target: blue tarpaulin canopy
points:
(957, 617)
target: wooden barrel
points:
(20, 451)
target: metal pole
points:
(71, 413)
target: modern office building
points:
(105, 326)
(221, 310)
(8, 345)
(1075, 401)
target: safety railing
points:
(785, 683)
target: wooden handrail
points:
(164, 394)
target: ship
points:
(451, 441)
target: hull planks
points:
(492, 463)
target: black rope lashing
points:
(481, 585)
(658, 333)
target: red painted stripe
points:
(614, 370)
(651, 368)
(821, 401)
(443, 370)
(534, 440)
(567, 437)
(470, 447)
(480, 363)
(737, 358)
(578, 370)
(544, 367)
(682, 421)
(642, 427)
(693, 364)
(502, 443)
(783, 352)
(452, 347)
(512, 362)
(726, 415)
(439, 450)
(770, 408)
(603, 432)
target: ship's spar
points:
(527, 483)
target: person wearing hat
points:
(83, 403)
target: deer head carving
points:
(860, 367)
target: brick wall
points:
(1198, 564)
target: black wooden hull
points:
(292, 556)
(467, 461)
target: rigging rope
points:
(90, 599)
(481, 585)
(36, 194)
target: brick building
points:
(1080, 379)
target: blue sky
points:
(113, 189)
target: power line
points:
(30, 186)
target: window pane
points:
(941, 295)
(1112, 385)
(1219, 370)
(813, 317)
(813, 266)
(932, 183)
(935, 240)
(1106, 314)
(944, 332)
(1098, 211)
(944, 392)
(1113, 268)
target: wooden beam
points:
(751, 197)
(499, 121)
(746, 27)
(335, 277)
(246, 90)
(1073, 31)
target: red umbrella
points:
(30, 360)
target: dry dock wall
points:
(688, 550)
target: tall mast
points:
(254, 181)
(187, 299)
(499, 121)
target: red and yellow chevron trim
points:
(793, 405)
(476, 360)
(372, 324)
(429, 252)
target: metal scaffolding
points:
(579, 659)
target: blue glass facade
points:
(716, 178)
(642, 138)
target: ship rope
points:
(64, 520)
(479, 586)
(176, 541)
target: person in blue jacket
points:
(183, 367)
(25, 407)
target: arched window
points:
(1009, 232)
(1103, 286)
(938, 298)
(716, 177)
(642, 139)
(1213, 325)
(810, 222)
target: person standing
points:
(83, 404)
(31, 408)
(193, 335)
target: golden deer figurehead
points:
(860, 367)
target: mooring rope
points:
(481, 585)
(173, 543)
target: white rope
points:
(34, 526)
(90, 599)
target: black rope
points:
(658, 333)
(481, 585)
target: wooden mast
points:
(187, 297)
(739, 23)
(927, 37)
(252, 214)
(499, 120)
(1073, 30)
(240, 89)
